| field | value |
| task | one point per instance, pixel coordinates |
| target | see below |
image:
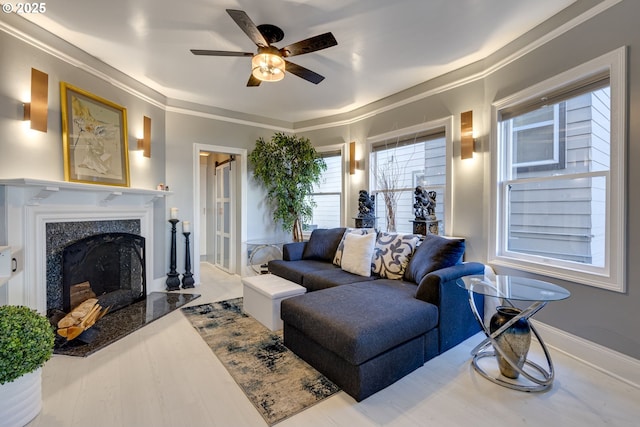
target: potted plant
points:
(288, 166)
(26, 343)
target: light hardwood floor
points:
(165, 375)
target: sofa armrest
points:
(293, 251)
(456, 321)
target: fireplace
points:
(58, 235)
(44, 217)
(107, 266)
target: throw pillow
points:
(357, 253)
(434, 253)
(337, 259)
(323, 243)
(392, 254)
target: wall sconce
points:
(352, 158)
(353, 163)
(37, 110)
(466, 135)
(144, 144)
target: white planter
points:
(21, 399)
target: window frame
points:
(444, 124)
(612, 276)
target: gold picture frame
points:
(94, 138)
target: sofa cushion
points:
(323, 279)
(323, 243)
(358, 250)
(295, 271)
(392, 254)
(362, 320)
(337, 259)
(434, 253)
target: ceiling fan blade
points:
(311, 44)
(246, 24)
(253, 81)
(219, 53)
(305, 73)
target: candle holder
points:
(173, 279)
(187, 277)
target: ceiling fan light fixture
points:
(267, 66)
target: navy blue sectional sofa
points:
(365, 333)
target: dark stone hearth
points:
(117, 325)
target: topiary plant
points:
(26, 341)
(288, 166)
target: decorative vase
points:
(21, 399)
(514, 341)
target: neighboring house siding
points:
(570, 213)
(327, 196)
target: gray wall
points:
(183, 131)
(604, 317)
(31, 154)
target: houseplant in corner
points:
(288, 166)
(26, 343)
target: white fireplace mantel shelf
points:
(106, 193)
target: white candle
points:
(186, 227)
(174, 213)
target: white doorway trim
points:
(241, 213)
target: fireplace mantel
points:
(41, 190)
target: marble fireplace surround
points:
(62, 234)
(31, 205)
(36, 244)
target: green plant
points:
(26, 341)
(288, 166)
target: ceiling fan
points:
(269, 64)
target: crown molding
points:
(375, 108)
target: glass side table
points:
(513, 288)
(261, 252)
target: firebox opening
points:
(109, 266)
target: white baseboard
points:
(610, 362)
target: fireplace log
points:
(80, 319)
(76, 315)
(80, 292)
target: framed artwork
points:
(94, 138)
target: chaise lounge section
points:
(366, 332)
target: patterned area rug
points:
(276, 381)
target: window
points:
(327, 194)
(560, 177)
(537, 140)
(400, 164)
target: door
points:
(224, 216)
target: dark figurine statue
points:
(366, 205)
(424, 207)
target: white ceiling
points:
(383, 46)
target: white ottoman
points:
(262, 297)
